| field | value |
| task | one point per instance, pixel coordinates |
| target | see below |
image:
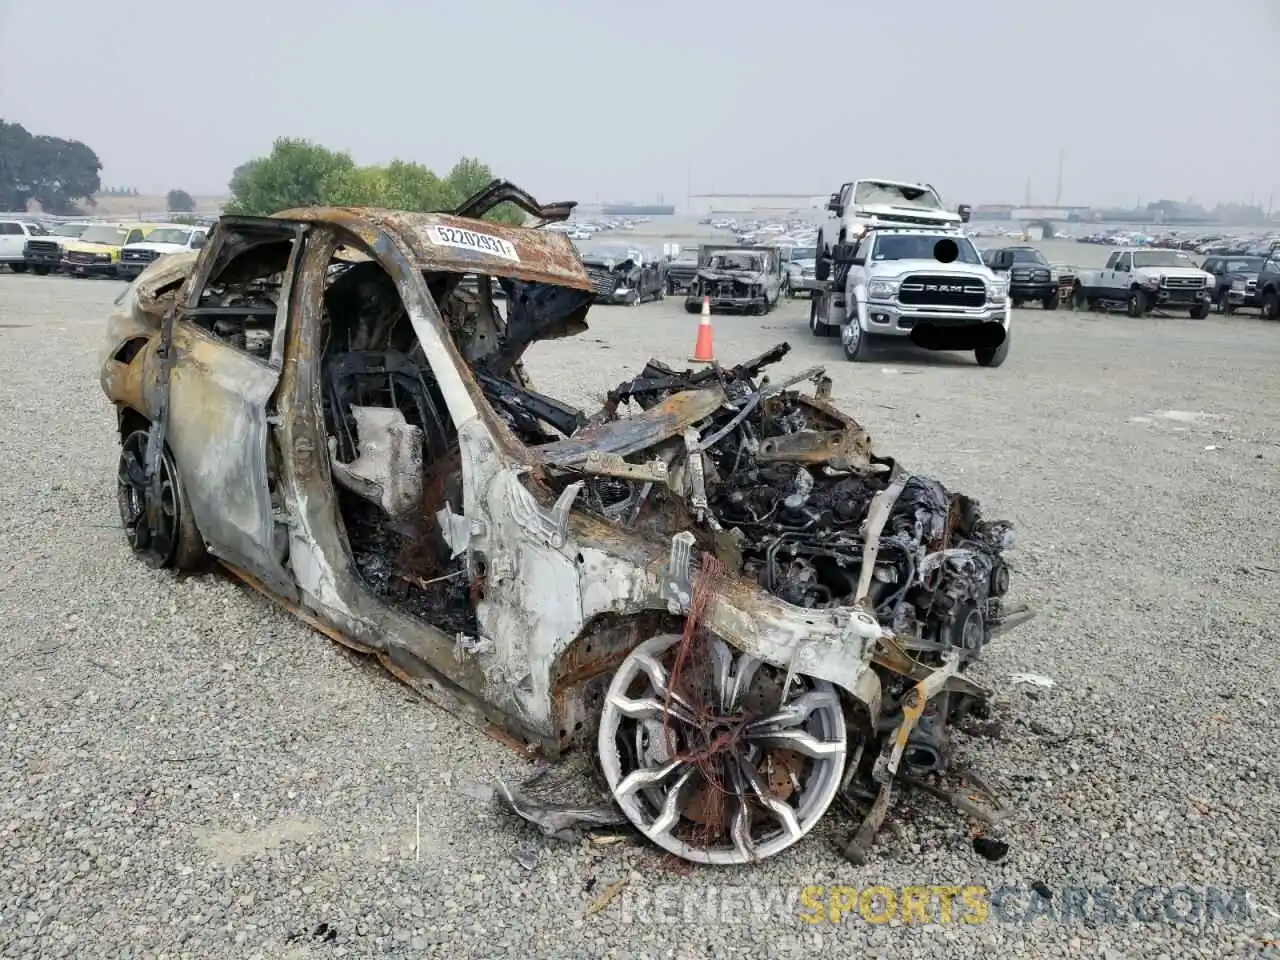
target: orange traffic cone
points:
(702, 352)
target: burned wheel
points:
(174, 542)
(711, 758)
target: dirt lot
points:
(189, 772)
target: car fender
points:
(856, 293)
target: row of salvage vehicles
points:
(98, 249)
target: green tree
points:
(179, 201)
(411, 186)
(469, 176)
(299, 173)
(292, 175)
(355, 187)
(50, 170)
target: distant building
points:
(705, 204)
(992, 211)
(637, 209)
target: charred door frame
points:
(330, 588)
(254, 550)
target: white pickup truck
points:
(1143, 279)
(860, 204)
(14, 234)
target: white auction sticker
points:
(470, 240)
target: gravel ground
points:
(190, 772)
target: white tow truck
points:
(906, 271)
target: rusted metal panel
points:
(843, 449)
(438, 241)
(622, 437)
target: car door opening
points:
(392, 446)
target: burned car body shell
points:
(552, 571)
(736, 279)
(241, 367)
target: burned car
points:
(681, 271)
(736, 279)
(628, 275)
(713, 584)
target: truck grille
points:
(76, 256)
(918, 290)
(1030, 276)
(138, 256)
(1184, 283)
(602, 281)
(44, 246)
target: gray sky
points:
(587, 99)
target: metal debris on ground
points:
(1033, 679)
(526, 854)
(561, 801)
(606, 897)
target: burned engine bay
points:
(778, 484)
(770, 484)
(781, 488)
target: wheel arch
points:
(129, 420)
(581, 672)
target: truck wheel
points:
(1138, 304)
(660, 293)
(1078, 300)
(994, 356)
(41, 270)
(1271, 305)
(816, 326)
(855, 342)
(1050, 302)
(822, 262)
(692, 307)
(18, 267)
(1017, 303)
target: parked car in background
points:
(800, 271)
(736, 279)
(14, 234)
(1237, 281)
(1029, 274)
(164, 238)
(1268, 287)
(623, 274)
(96, 253)
(1143, 279)
(43, 254)
(680, 272)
